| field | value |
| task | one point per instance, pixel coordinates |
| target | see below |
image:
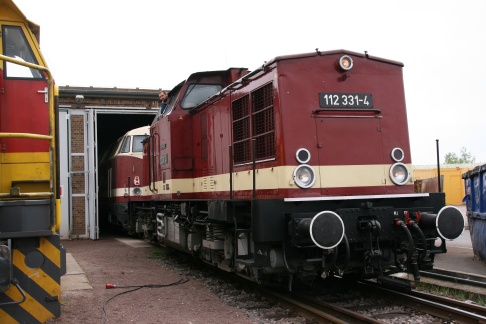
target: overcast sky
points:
(156, 44)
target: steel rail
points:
(442, 307)
(462, 278)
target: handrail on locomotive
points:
(55, 211)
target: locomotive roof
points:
(276, 59)
(139, 131)
(221, 72)
(202, 73)
(333, 52)
(9, 4)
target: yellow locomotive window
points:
(16, 46)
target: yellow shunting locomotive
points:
(32, 259)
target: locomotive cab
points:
(174, 161)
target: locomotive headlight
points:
(346, 62)
(399, 174)
(304, 176)
(397, 154)
(137, 191)
(303, 155)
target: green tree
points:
(464, 157)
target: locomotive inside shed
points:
(111, 127)
(94, 119)
(107, 139)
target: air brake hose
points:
(334, 257)
(422, 238)
(333, 260)
(348, 253)
(412, 252)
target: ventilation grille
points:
(261, 124)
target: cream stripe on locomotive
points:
(280, 177)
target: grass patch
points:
(453, 293)
(159, 253)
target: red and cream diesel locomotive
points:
(121, 170)
(297, 170)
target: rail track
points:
(442, 307)
(456, 277)
(362, 302)
(318, 311)
(399, 306)
(370, 302)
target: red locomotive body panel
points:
(129, 171)
(343, 138)
(25, 118)
(342, 141)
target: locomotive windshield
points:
(125, 147)
(138, 143)
(16, 46)
(198, 93)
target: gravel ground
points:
(156, 285)
(160, 290)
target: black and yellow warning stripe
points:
(38, 264)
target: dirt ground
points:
(169, 300)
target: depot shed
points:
(90, 119)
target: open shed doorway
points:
(110, 126)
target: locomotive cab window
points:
(170, 105)
(138, 143)
(16, 46)
(125, 147)
(198, 93)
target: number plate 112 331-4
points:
(345, 100)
